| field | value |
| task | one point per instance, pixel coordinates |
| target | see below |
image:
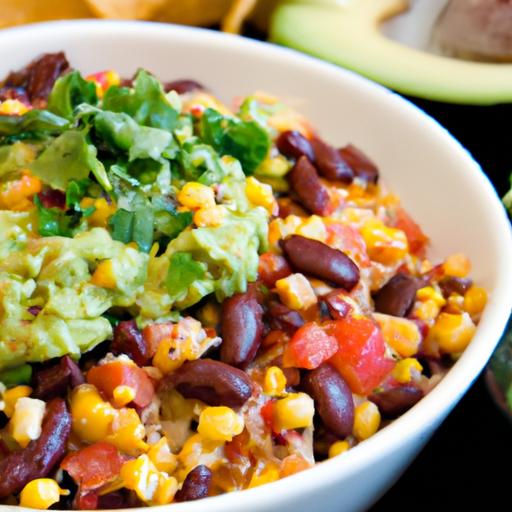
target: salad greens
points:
(119, 237)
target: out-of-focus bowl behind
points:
(437, 179)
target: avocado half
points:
(348, 33)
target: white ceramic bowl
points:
(439, 183)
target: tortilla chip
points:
(126, 9)
(18, 12)
(237, 14)
(193, 12)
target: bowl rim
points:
(431, 409)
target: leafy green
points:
(146, 102)
(34, 124)
(14, 157)
(200, 162)
(16, 376)
(54, 221)
(69, 157)
(168, 221)
(68, 92)
(245, 140)
(183, 271)
(121, 225)
(136, 226)
(76, 191)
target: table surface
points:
(460, 466)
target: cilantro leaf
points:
(76, 191)
(68, 92)
(54, 221)
(183, 271)
(16, 376)
(146, 103)
(121, 225)
(34, 124)
(136, 226)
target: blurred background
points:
(453, 59)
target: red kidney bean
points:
(241, 328)
(458, 285)
(329, 162)
(306, 184)
(55, 380)
(196, 485)
(53, 198)
(319, 260)
(283, 318)
(39, 76)
(362, 166)
(183, 86)
(213, 382)
(294, 145)
(39, 458)
(333, 399)
(129, 340)
(338, 307)
(396, 401)
(14, 93)
(397, 296)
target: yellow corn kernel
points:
(296, 292)
(209, 315)
(313, 227)
(162, 457)
(123, 395)
(430, 293)
(475, 300)
(128, 432)
(140, 475)
(269, 474)
(260, 194)
(401, 334)
(338, 448)
(162, 358)
(12, 395)
(366, 420)
(404, 370)
(166, 490)
(25, 423)
(275, 382)
(195, 195)
(103, 210)
(452, 332)
(41, 493)
(104, 275)
(454, 304)
(426, 311)
(457, 265)
(13, 108)
(91, 416)
(210, 217)
(384, 244)
(296, 410)
(219, 423)
(103, 80)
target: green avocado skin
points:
(331, 32)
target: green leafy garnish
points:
(76, 191)
(183, 271)
(121, 225)
(146, 103)
(16, 376)
(245, 140)
(69, 157)
(54, 221)
(34, 124)
(136, 226)
(70, 91)
(15, 157)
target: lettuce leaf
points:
(35, 124)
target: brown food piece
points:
(39, 458)
(318, 259)
(54, 381)
(337, 306)
(397, 296)
(213, 382)
(283, 318)
(329, 162)
(396, 401)
(306, 184)
(14, 93)
(183, 86)
(241, 328)
(196, 485)
(362, 166)
(294, 145)
(333, 399)
(129, 340)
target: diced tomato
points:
(106, 377)
(309, 347)
(153, 334)
(361, 356)
(87, 500)
(272, 267)
(267, 413)
(417, 240)
(93, 466)
(349, 240)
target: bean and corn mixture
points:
(196, 299)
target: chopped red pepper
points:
(155, 333)
(349, 240)
(361, 358)
(93, 466)
(267, 413)
(309, 347)
(106, 377)
(417, 240)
